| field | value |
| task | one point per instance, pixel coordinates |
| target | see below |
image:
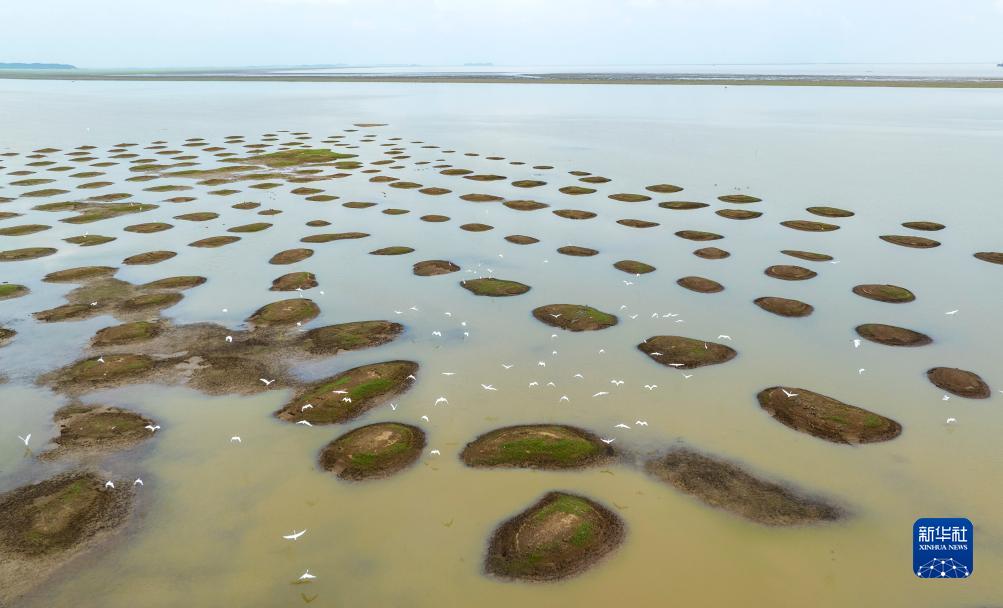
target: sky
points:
(189, 33)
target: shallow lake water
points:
(209, 522)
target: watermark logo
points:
(942, 547)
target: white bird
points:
(834, 261)
(656, 354)
(393, 406)
(441, 400)
(339, 392)
(687, 376)
(295, 535)
(641, 422)
(676, 364)
(437, 333)
(951, 312)
(534, 383)
(563, 398)
(138, 482)
(621, 426)
(304, 423)
(308, 406)
(398, 312)
(608, 441)
(541, 363)
(856, 343)
(306, 576)
(724, 337)
(618, 383)
(109, 484)
(235, 439)
(266, 382)
(556, 316)
(951, 420)
(411, 377)
(788, 393)
(25, 439)
(448, 373)
(225, 310)
(946, 398)
(601, 393)
(602, 350)
(651, 387)
(578, 376)
(229, 338)
(551, 383)
(634, 316)
(435, 453)
(153, 428)
(860, 371)
(425, 418)
(506, 366)
(488, 387)
(414, 308)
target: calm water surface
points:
(210, 518)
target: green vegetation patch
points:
(127, 333)
(285, 312)
(349, 394)
(23, 230)
(28, 253)
(495, 288)
(784, 307)
(825, 417)
(374, 451)
(686, 353)
(332, 339)
(293, 158)
(540, 446)
(78, 275)
(634, 267)
(892, 294)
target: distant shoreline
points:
(618, 79)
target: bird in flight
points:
(488, 387)
(951, 420)
(641, 422)
(295, 535)
(306, 576)
(618, 383)
(304, 423)
(506, 365)
(425, 418)
(441, 400)
(266, 382)
(235, 439)
(109, 484)
(563, 398)
(621, 426)
(534, 383)
(687, 376)
(607, 441)
(229, 338)
(651, 387)
(435, 453)
(951, 312)
(724, 337)
(25, 440)
(788, 393)
(601, 393)
(861, 371)
(308, 406)
(856, 343)
(138, 482)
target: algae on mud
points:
(960, 382)
(356, 335)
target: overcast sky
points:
(121, 33)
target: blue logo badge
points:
(942, 547)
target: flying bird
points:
(138, 482)
(488, 387)
(441, 400)
(641, 422)
(687, 376)
(507, 366)
(618, 383)
(25, 439)
(425, 418)
(153, 428)
(435, 453)
(304, 423)
(229, 338)
(788, 393)
(109, 484)
(235, 439)
(724, 337)
(621, 426)
(266, 382)
(651, 387)
(295, 535)
(306, 576)
(308, 406)
(951, 312)
(856, 343)
(951, 420)
(534, 383)
(601, 393)
(861, 371)
(607, 441)
(563, 398)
